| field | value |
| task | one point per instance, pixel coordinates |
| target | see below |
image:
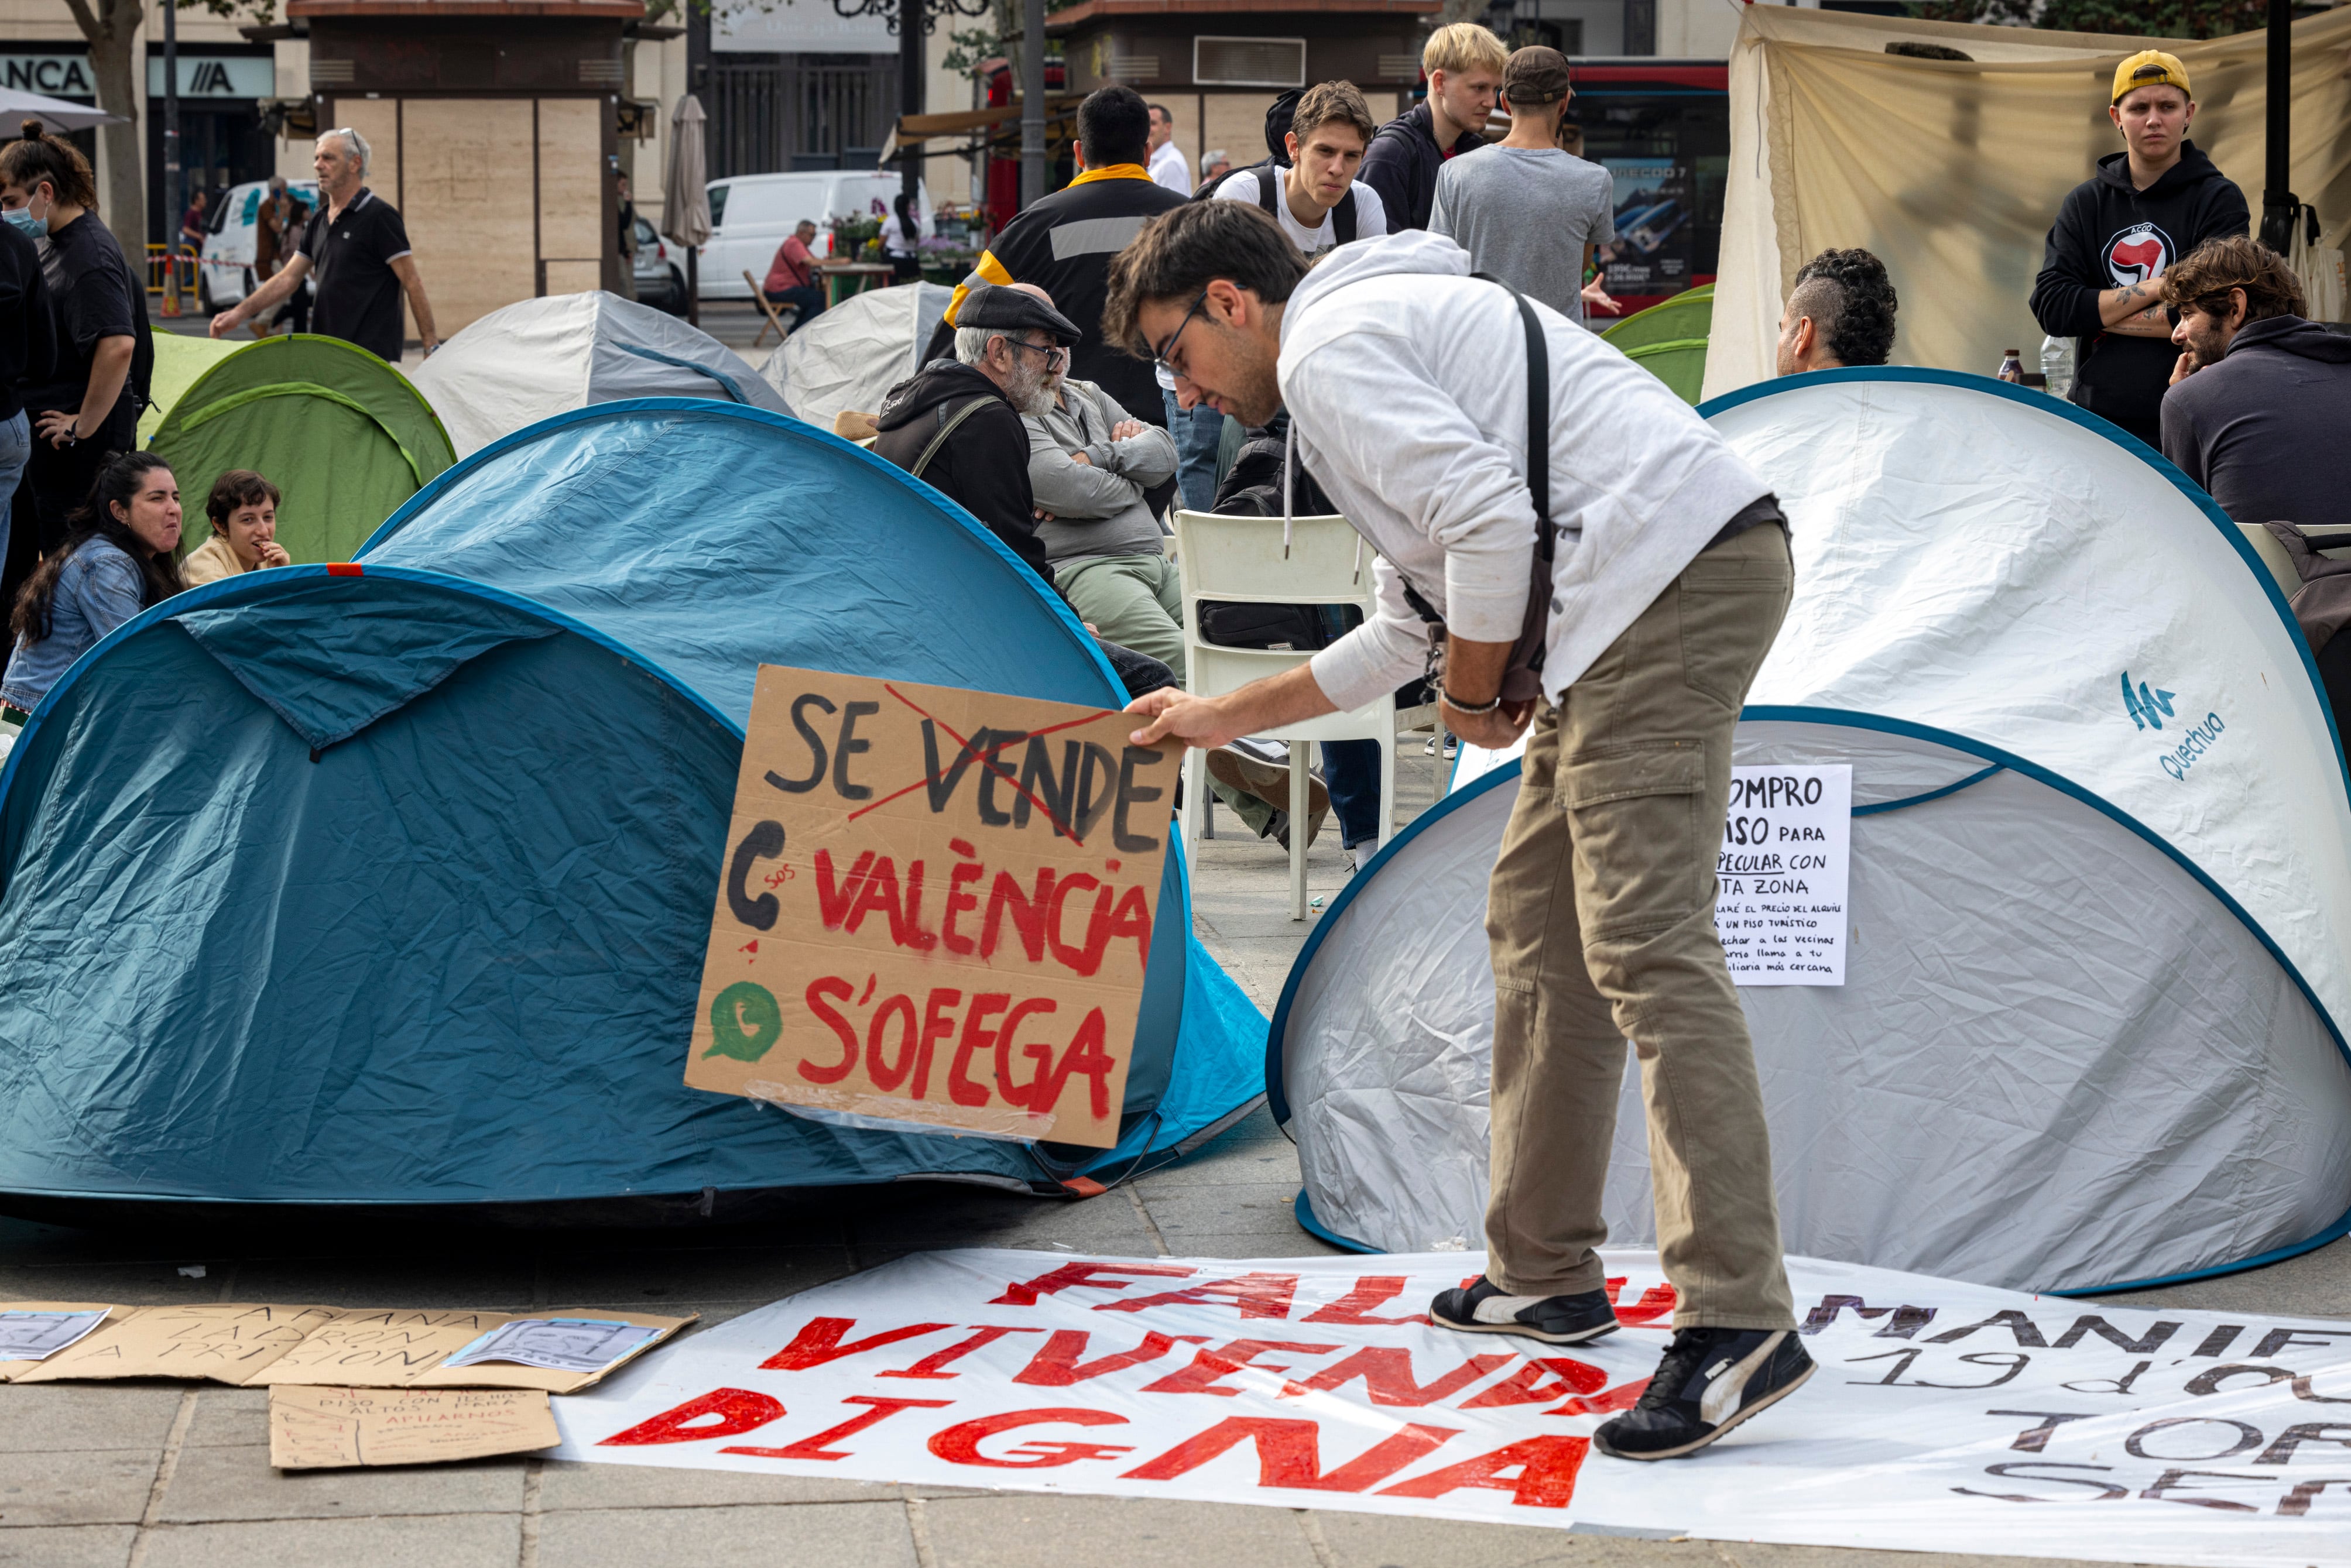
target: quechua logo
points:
(2138, 254)
(2147, 708)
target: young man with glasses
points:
(1406, 382)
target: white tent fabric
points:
(518, 365)
(851, 354)
(2097, 970)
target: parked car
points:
(660, 277)
(750, 215)
(225, 274)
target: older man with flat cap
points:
(956, 423)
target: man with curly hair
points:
(2259, 409)
(1841, 312)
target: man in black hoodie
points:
(1463, 65)
(2260, 407)
(956, 423)
(2150, 204)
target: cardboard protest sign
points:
(220, 1342)
(323, 1428)
(263, 1345)
(936, 907)
(405, 1348)
(1943, 1416)
(33, 1332)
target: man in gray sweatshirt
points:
(1089, 463)
(2259, 409)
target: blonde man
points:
(1527, 212)
(1317, 201)
(1464, 66)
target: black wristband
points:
(1472, 709)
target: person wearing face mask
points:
(88, 406)
(117, 560)
(243, 509)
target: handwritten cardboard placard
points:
(220, 1342)
(38, 1325)
(936, 907)
(327, 1428)
(408, 1348)
(265, 1345)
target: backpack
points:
(1342, 216)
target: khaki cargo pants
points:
(1602, 920)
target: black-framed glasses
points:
(1159, 355)
(1055, 353)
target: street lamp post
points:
(2279, 206)
(171, 204)
(912, 20)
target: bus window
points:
(1662, 130)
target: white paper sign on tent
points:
(1787, 844)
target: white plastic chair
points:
(1276, 560)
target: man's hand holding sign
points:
(936, 907)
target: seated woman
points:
(242, 508)
(115, 562)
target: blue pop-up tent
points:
(390, 882)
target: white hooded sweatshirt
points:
(1405, 382)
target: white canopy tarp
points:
(518, 365)
(2089, 1032)
(850, 355)
(1951, 171)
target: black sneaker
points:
(1709, 1381)
(1482, 1308)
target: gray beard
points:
(1032, 392)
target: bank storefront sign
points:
(201, 76)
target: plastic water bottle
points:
(2057, 364)
(2011, 367)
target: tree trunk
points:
(113, 36)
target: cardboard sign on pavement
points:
(936, 907)
(325, 1429)
(263, 1344)
(37, 1326)
(220, 1342)
(402, 1348)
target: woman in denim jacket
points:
(117, 561)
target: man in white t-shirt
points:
(1168, 166)
(1320, 202)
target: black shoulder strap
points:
(1537, 447)
(1266, 185)
(1342, 218)
(1538, 423)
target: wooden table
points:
(863, 273)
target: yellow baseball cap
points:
(2149, 67)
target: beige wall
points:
(572, 241)
(465, 198)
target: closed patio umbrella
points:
(685, 198)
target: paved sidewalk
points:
(163, 1476)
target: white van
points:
(751, 214)
(226, 275)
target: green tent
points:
(1668, 340)
(180, 360)
(341, 432)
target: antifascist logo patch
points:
(2138, 254)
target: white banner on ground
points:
(1944, 1416)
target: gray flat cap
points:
(1012, 309)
